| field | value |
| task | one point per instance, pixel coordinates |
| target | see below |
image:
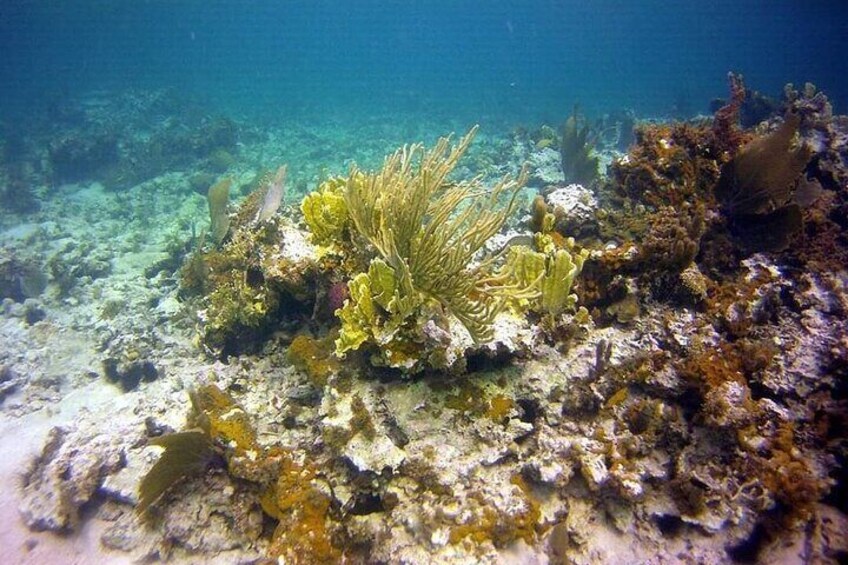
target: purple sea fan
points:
(336, 295)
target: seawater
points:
(472, 60)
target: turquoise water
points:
(529, 59)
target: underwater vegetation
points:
(219, 219)
(757, 185)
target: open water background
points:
(467, 59)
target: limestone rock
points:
(65, 476)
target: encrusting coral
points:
(290, 491)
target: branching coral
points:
(726, 135)
(409, 240)
(426, 231)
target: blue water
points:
(520, 59)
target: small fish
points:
(273, 196)
(521, 239)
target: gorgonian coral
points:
(421, 234)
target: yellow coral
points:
(376, 309)
(555, 287)
(219, 416)
(503, 528)
(325, 212)
(303, 535)
(428, 229)
(357, 315)
(544, 279)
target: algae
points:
(186, 454)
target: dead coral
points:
(727, 136)
(66, 476)
(289, 491)
(499, 527)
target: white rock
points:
(376, 455)
(575, 203)
(594, 470)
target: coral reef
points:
(260, 264)
(399, 369)
(425, 283)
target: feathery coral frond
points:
(428, 229)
